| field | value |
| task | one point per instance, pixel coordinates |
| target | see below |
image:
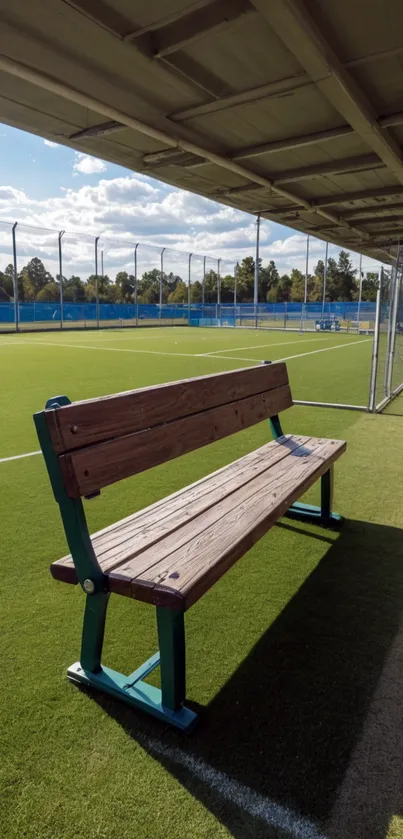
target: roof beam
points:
(294, 142)
(97, 130)
(300, 33)
(333, 167)
(192, 26)
(377, 219)
(253, 94)
(373, 208)
(347, 197)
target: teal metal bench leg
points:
(165, 704)
(307, 512)
(318, 515)
(93, 631)
(171, 638)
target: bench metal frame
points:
(167, 703)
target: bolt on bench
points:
(171, 553)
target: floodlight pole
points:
(15, 276)
(135, 282)
(96, 281)
(306, 271)
(235, 278)
(204, 279)
(161, 276)
(324, 280)
(218, 283)
(359, 295)
(256, 283)
(189, 282)
(61, 234)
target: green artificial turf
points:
(287, 655)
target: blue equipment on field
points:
(327, 325)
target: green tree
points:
(227, 289)
(246, 280)
(125, 287)
(74, 290)
(210, 287)
(298, 286)
(268, 282)
(91, 288)
(7, 281)
(180, 295)
(34, 277)
(370, 285)
(284, 289)
(196, 292)
(50, 292)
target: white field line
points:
(257, 806)
(325, 349)
(188, 355)
(256, 346)
(18, 456)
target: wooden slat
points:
(189, 561)
(88, 469)
(97, 420)
(122, 541)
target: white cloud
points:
(51, 144)
(87, 165)
(133, 208)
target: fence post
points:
(161, 276)
(375, 351)
(306, 271)
(15, 276)
(359, 295)
(235, 279)
(204, 280)
(218, 282)
(189, 281)
(324, 280)
(96, 281)
(256, 282)
(391, 359)
(61, 234)
(135, 285)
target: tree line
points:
(35, 283)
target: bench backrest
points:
(100, 441)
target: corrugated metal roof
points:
(291, 108)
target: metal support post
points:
(15, 277)
(391, 358)
(306, 271)
(189, 283)
(61, 234)
(256, 283)
(96, 281)
(359, 295)
(324, 280)
(218, 283)
(161, 276)
(375, 350)
(204, 281)
(135, 284)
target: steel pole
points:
(189, 282)
(96, 281)
(161, 276)
(306, 271)
(218, 283)
(15, 276)
(256, 282)
(324, 280)
(395, 307)
(135, 284)
(375, 352)
(359, 295)
(204, 280)
(61, 234)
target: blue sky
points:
(45, 185)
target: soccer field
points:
(294, 656)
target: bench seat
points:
(170, 553)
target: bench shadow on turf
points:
(311, 719)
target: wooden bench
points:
(172, 552)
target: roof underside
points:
(290, 108)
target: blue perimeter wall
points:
(47, 312)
